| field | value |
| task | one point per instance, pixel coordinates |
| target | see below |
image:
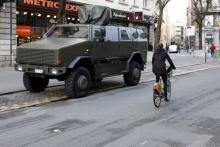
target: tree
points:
(61, 12)
(161, 5)
(200, 10)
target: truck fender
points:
(78, 59)
(132, 57)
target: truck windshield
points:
(69, 32)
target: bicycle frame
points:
(159, 95)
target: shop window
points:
(138, 16)
(124, 35)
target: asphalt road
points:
(123, 117)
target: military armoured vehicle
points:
(81, 55)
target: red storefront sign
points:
(48, 5)
(23, 31)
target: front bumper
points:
(45, 70)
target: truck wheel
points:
(35, 84)
(99, 80)
(132, 77)
(78, 82)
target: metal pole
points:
(10, 33)
(189, 44)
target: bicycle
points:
(158, 94)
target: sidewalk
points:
(182, 59)
(11, 80)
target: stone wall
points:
(8, 42)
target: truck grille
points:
(34, 56)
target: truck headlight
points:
(20, 68)
(54, 71)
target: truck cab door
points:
(105, 50)
(126, 43)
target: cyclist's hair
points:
(159, 45)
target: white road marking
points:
(145, 142)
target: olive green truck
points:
(82, 55)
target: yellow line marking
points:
(46, 100)
(3, 108)
(36, 102)
(15, 106)
(26, 104)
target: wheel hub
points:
(136, 73)
(82, 82)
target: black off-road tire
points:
(132, 77)
(99, 80)
(156, 99)
(82, 76)
(35, 84)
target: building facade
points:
(23, 21)
(7, 33)
(211, 26)
(177, 36)
(211, 31)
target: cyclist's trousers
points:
(164, 78)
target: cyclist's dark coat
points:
(158, 62)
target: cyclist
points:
(159, 66)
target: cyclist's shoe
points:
(166, 100)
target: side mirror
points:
(143, 35)
(135, 35)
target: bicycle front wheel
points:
(156, 99)
(168, 90)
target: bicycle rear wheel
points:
(168, 90)
(156, 99)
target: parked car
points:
(173, 49)
(81, 55)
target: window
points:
(145, 3)
(97, 34)
(69, 32)
(111, 34)
(124, 35)
(135, 2)
(123, 1)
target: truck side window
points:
(124, 35)
(96, 33)
(111, 34)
